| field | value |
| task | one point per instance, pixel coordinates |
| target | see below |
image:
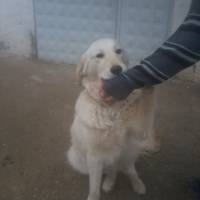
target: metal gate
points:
(65, 28)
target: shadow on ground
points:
(36, 110)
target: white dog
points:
(105, 138)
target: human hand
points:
(115, 89)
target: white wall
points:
(16, 27)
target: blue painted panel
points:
(65, 28)
(143, 26)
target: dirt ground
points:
(36, 110)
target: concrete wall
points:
(16, 27)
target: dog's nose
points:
(116, 69)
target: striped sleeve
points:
(180, 51)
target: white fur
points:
(108, 138)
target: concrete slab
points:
(36, 111)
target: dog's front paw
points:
(139, 187)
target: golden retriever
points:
(107, 138)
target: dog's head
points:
(104, 59)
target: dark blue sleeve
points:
(180, 51)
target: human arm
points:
(180, 51)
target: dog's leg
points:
(109, 180)
(152, 142)
(95, 169)
(136, 182)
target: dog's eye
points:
(118, 51)
(100, 55)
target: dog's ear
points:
(81, 68)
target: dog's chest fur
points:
(106, 127)
(103, 117)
